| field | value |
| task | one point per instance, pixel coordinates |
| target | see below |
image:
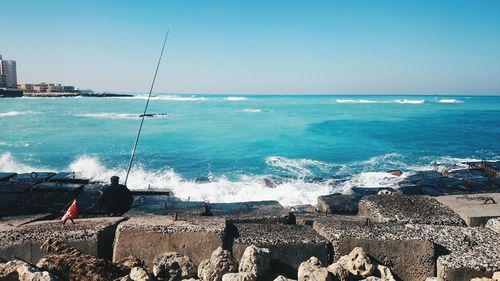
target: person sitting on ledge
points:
(116, 198)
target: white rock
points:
(173, 266)
(385, 273)
(311, 270)
(496, 275)
(240, 276)
(19, 270)
(357, 262)
(220, 263)
(256, 261)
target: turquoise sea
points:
(220, 148)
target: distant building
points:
(68, 89)
(41, 88)
(8, 72)
(26, 87)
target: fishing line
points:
(145, 109)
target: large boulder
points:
(357, 263)
(172, 266)
(312, 270)
(220, 263)
(240, 276)
(138, 274)
(256, 261)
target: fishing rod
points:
(146, 108)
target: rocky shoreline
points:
(435, 225)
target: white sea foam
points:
(218, 190)
(9, 164)
(405, 101)
(368, 179)
(109, 115)
(450, 101)
(245, 188)
(366, 101)
(357, 101)
(14, 113)
(236, 98)
(164, 98)
(298, 167)
(251, 110)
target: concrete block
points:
(6, 176)
(407, 209)
(337, 203)
(290, 245)
(90, 236)
(252, 212)
(472, 208)
(458, 249)
(33, 176)
(346, 204)
(67, 177)
(146, 236)
(387, 243)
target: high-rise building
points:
(8, 73)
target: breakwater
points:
(442, 222)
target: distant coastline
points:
(15, 93)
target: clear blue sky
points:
(428, 47)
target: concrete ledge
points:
(460, 249)
(472, 208)
(407, 209)
(148, 236)
(252, 212)
(90, 236)
(290, 245)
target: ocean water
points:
(221, 148)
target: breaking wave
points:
(236, 98)
(14, 113)
(108, 115)
(250, 110)
(450, 101)
(165, 98)
(366, 101)
(293, 189)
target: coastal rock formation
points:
(256, 261)
(19, 270)
(172, 266)
(240, 276)
(312, 270)
(220, 263)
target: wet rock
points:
(19, 270)
(311, 270)
(240, 276)
(220, 263)
(173, 266)
(256, 261)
